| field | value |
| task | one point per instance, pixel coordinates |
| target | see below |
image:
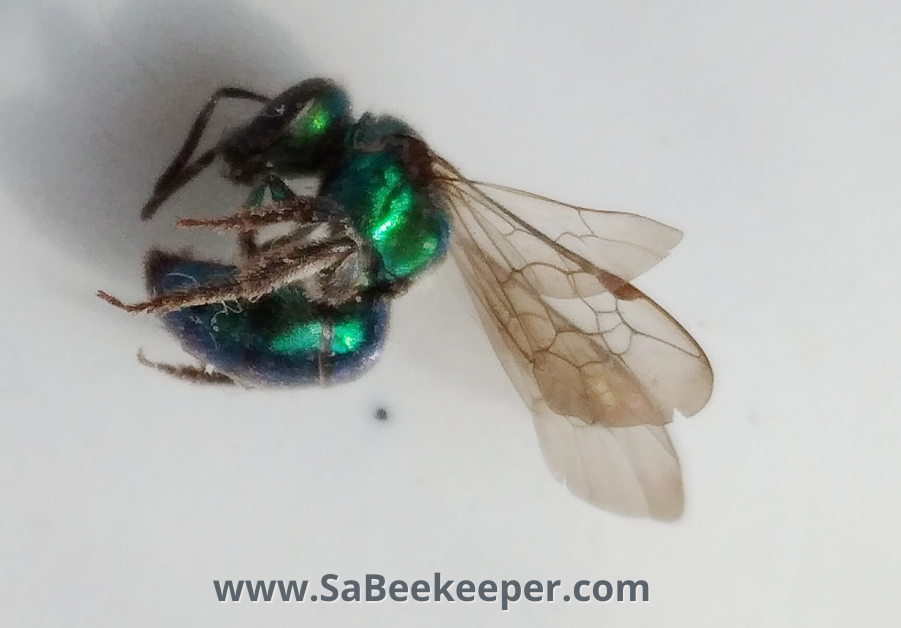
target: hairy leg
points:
(262, 274)
(196, 374)
(299, 209)
(247, 244)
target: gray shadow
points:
(111, 102)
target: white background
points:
(768, 131)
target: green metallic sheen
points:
(347, 335)
(408, 228)
(281, 338)
(277, 191)
(287, 324)
(317, 119)
(314, 137)
(300, 337)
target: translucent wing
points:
(601, 366)
(622, 244)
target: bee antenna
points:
(171, 182)
(180, 171)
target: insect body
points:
(601, 366)
(374, 227)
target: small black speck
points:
(381, 414)
(313, 598)
(565, 598)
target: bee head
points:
(295, 133)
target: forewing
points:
(622, 244)
(600, 349)
(665, 361)
(601, 365)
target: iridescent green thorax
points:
(400, 213)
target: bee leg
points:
(391, 290)
(284, 207)
(197, 374)
(276, 267)
(247, 244)
(300, 209)
(278, 191)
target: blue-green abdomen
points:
(281, 339)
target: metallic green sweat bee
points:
(601, 366)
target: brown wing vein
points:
(599, 409)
